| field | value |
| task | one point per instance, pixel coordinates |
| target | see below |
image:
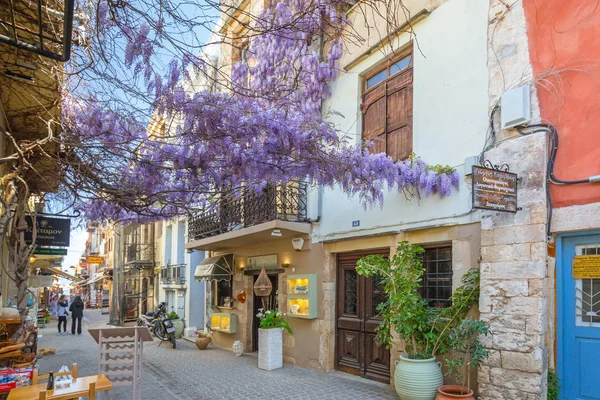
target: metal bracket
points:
(497, 167)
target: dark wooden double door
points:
(357, 350)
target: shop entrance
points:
(578, 316)
(269, 302)
(357, 350)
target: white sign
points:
(37, 281)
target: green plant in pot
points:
(178, 323)
(424, 331)
(465, 341)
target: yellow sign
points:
(586, 267)
(95, 260)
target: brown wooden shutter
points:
(387, 116)
(373, 109)
(399, 115)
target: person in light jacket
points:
(76, 309)
(61, 312)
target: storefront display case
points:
(223, 322)
(302, 296)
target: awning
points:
(218, 268)
(62, 273)
(98, 277)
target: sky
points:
(78, 238)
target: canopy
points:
(218, 268)
(98, 277)
(62, 273)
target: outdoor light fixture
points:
(32, 259)
(297, 243)
(285, 265)
(276, 232)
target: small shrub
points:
(172, 315)
(553, 388)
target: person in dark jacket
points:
(76, 309)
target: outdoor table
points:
(79, 387)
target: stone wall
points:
(514, 272)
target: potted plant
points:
(424, 330)
(177, 323)
(270, 339)
(202, 340)
(464, 339)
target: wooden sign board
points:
(494, 190)
(95, 259)
(268, 261)
(586, 267)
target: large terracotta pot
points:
(202, 342)
(449, 392)
(270, 348)
(417, 379)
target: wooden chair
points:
(91, 394)
(36, 378)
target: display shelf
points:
(302, 296)
(223, 322)
(10, 321)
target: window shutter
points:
(399, 96)
(373, 121)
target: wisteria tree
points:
(154, 127)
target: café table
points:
(79, 387)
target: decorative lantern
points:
(263, 286)
(238, 348)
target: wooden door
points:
(357, 350)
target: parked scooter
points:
(158, 323)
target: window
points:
(436, 285)
(223, 292)
(387, 108)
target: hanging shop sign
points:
(50, 252)
(37, 281)
(586, 267)
(494, 189)
(50, 231)
(95, 259)
(256, 263)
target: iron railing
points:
(245, 208)
(173, 274)
(139, 252)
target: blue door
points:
(578, 322)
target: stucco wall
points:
(303, 348)
(450, 116)
(565, 41)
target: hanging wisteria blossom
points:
(266, 128)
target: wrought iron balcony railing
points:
(173, 274)
(286, 202)
(139, 252)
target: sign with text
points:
(50, 252)
(50, 231)
(586, 267)
(494, 190)
(37, 281)
(256, 263)
(95, 259)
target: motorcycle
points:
(158, 323)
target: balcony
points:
(140, 255)
(281, 202)
(173, 274)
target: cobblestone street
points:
(187, 373)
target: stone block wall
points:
(514, 271)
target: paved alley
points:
(187, 373)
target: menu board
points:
(494, 190)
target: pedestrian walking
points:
(61, 312)
(76, 309)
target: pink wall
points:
(564, 42)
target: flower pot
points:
(449, 392)
(270, 348)
(202, 342)
(178, 325)
(417, 379)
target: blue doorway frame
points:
(577, 346)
